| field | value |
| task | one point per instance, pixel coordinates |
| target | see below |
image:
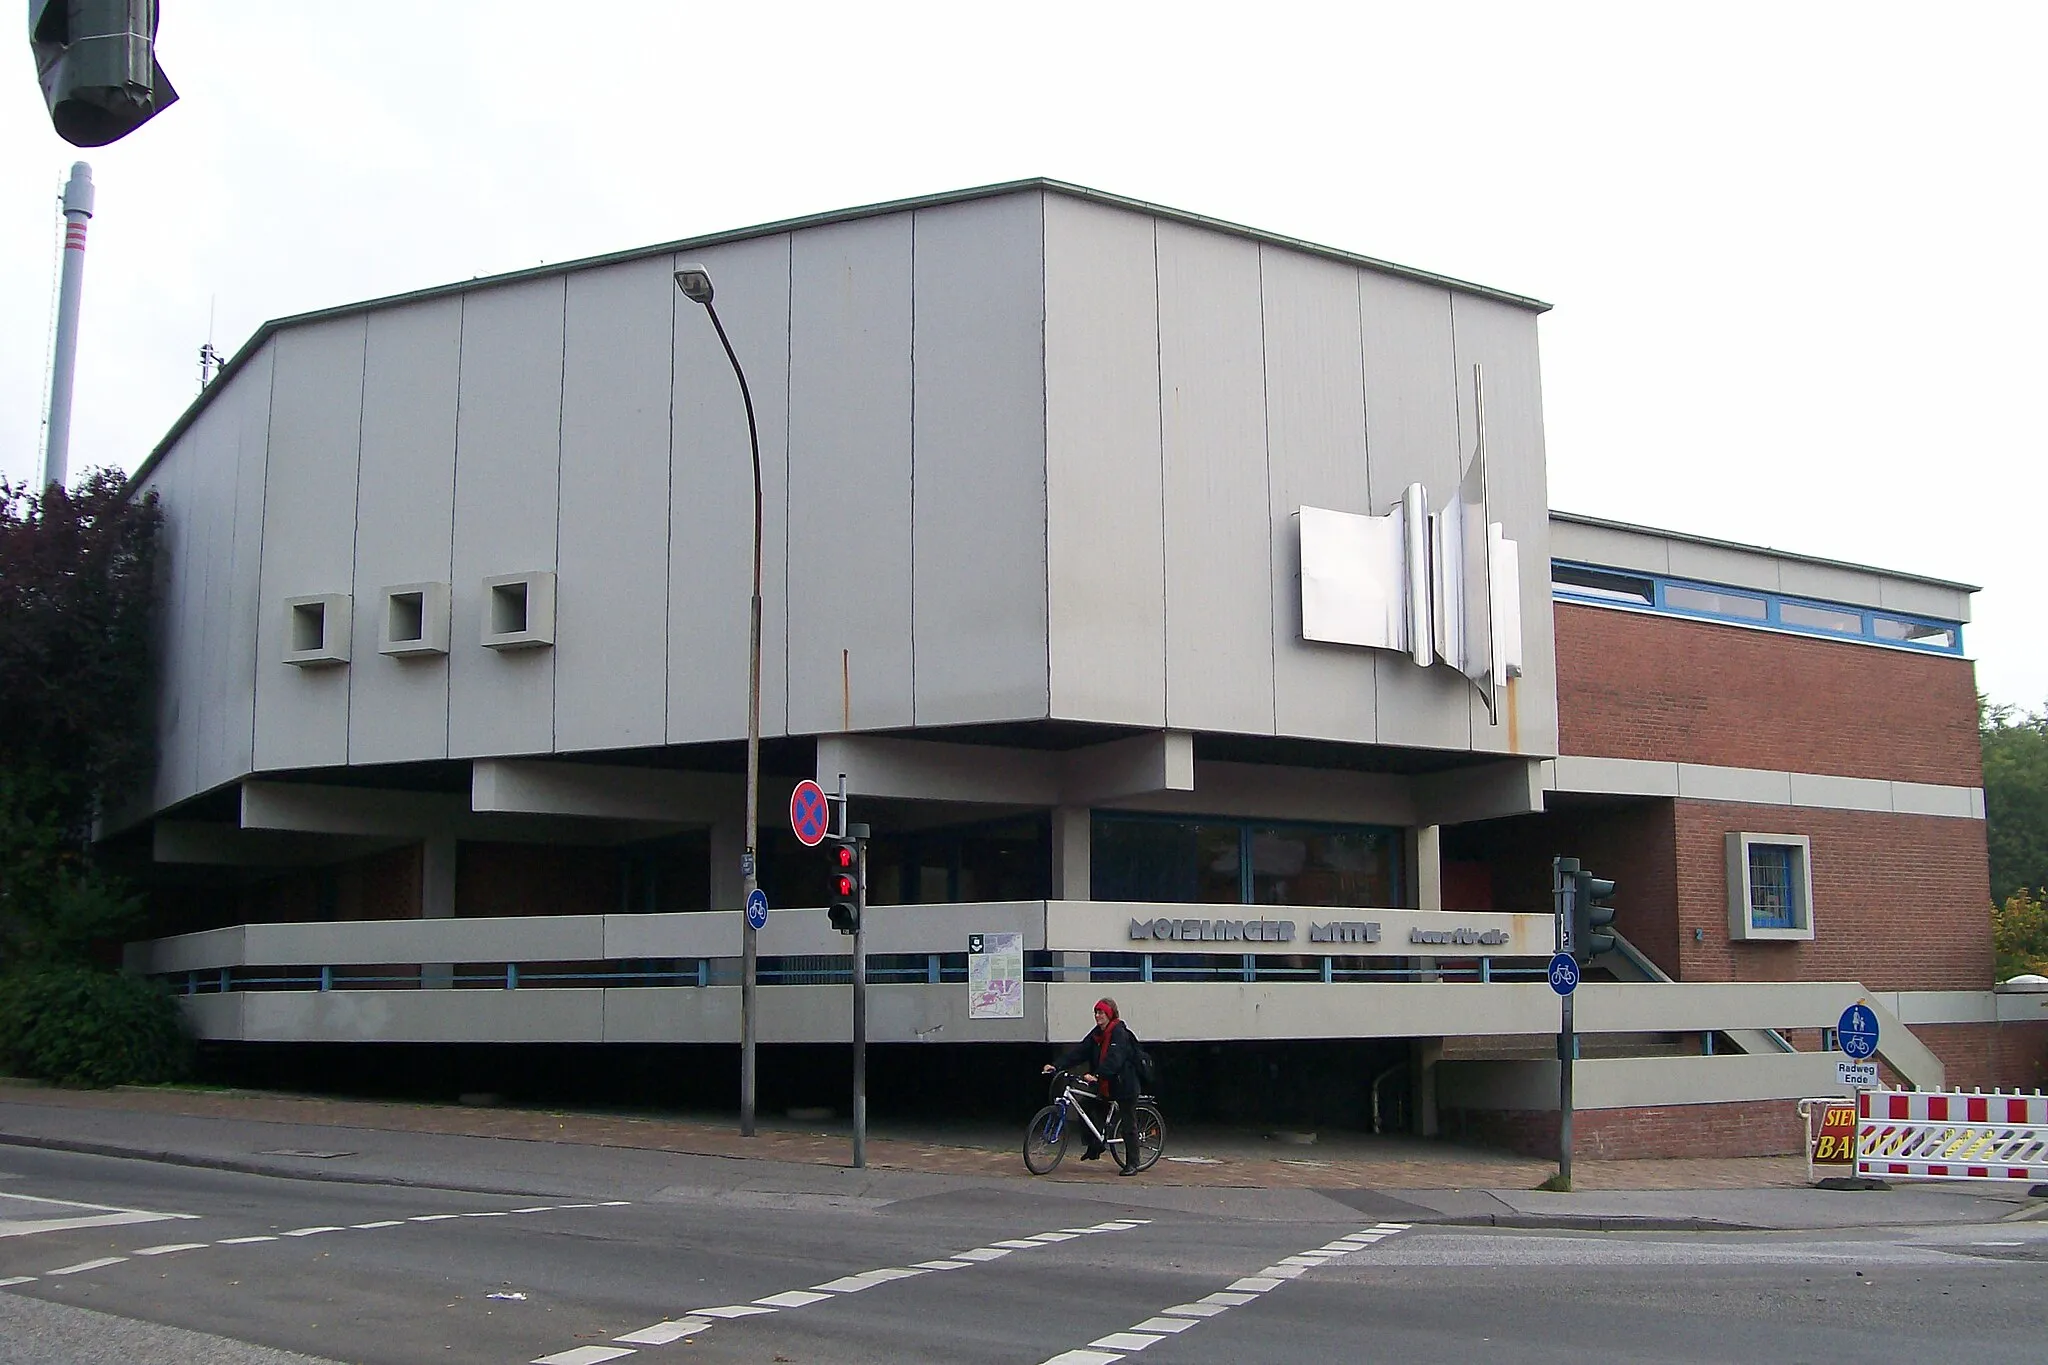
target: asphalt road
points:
(138, 1262)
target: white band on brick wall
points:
(1759, 787)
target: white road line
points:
(1181, 1317)
(382, 1223)
(86, 1265)
(867, 1279)
(730, 1310)
(1053, 1237)
(438, 1217)
(544, 1208)
(94, 1215)
(943, 1265)
(794, 1298)
(17, 1279)
(1168, 1324)
(981, 1254)
(309, 1232)
(1016, 1244)
(662, 1333)
(168, 1249)
(583, 1355)
(244, 1241)
(490, 1213)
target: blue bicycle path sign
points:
(1856, 1031)
(757, 908)
(1564, 973)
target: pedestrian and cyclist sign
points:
(1856, 1031)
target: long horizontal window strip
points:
(1586, 583)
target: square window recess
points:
(316, 630)
(519, 611)
(415, 620)
(1770, 887)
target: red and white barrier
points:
(1921, 1135)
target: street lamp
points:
(695, 282)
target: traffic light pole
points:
(1564, 897)
(860, 1007)
(1567, 1047)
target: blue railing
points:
(828, 970)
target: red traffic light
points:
(843, 854)
(842, 887)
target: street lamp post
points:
(695, 282)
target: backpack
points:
(1147, 1068)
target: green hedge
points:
(77, 1026)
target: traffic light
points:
(96, 61)
(846, 897)
(1591, 916)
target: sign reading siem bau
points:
(1834, 1143)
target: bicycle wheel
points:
(1150, 1127)
(1045, 1140)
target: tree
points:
(2015, 797)
(77, 575)
(2019, 935)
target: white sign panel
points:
(995, 977)
(1858, 1075)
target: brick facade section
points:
(2010, 1056)
(1633, 685)
(1749, 1128)
(1900, 902)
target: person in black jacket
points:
(1108, 1059)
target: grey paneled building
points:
(1118, 559)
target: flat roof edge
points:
(1040, 184)
(1604, 524)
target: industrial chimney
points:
(77, 209)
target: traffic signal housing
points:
(1592, 916)
(845, 899)
(96, 62)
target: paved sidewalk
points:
(1197, 1156)
(1211, 1169)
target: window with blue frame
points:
(1774, 886)
(1745, 606)
(1214, 861)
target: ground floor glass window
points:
(1212, 861)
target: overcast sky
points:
(1796, 250)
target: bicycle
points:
(1045, 1137)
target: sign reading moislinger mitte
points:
(1389, 932)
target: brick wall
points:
(1749, 1128)
(1900, 902)
(1632, 685)
(2011, 1056)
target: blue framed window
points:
(1572, 582)
(1774, 874)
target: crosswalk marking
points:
(1182, 1317)
(699, 1320)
